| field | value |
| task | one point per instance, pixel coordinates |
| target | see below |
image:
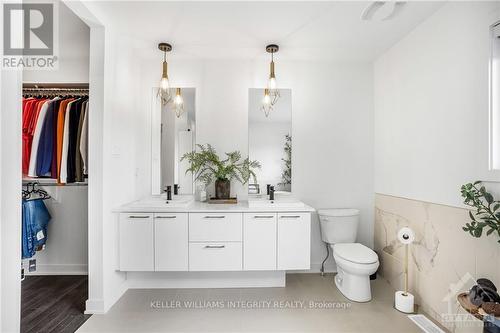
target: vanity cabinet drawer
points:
(171, 241)
(211, 256)
(259, 241)
(294, 241)
(136, 244)
(215, 227)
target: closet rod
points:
(56, 85)
(55, 89)
(28, 92)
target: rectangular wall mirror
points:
(172, 137)
(270, 142)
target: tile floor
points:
(188, 310)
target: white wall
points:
(126, 174)
(332, 125)
(67, 242)
(431, 106)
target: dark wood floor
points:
(53, 303)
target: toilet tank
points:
(338, 225)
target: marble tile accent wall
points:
(443, 258)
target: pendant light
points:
(271, 93)
(266, 103)
(164, 92)
(178, 103)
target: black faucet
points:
(271, 193)
(176, 189)
(169, 193)
(268, 188)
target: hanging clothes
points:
(79, 161)
(29, 109)
(84, 141)
(60, 134)
(74, 120)
(31, 129)
(55, 138)
(46, 141)
(65, 142)
(35, 219)
(36, 139)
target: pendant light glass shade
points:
(271, 93)
(266, 107)
(164, 91)
(178, 103)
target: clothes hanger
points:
(34, 188)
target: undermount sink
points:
(281, 203)
(161, 201)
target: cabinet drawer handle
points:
(263, 217)
(214, 246)
(289, 216)
(138, 217)
(166, 217)
(214, 217)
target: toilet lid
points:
(355, 252)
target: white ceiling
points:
(304, 30)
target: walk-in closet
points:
(55, 134)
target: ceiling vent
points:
(383, 10)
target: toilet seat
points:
(355, 252)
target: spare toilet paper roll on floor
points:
(404, 303)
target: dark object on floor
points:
(491, 308)
(53, 303)
(486, 283)
(483, 291)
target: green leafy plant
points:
(286, 175)
(207, 166)
(485, 212)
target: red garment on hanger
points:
(29, 105)
(30, 115)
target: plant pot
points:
(222, 189)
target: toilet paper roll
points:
(404, 303)
(406, 235)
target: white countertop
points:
(203, 207)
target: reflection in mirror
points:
(270, 142)
(178, 130)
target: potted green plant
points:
(486, 210)
(208, 167)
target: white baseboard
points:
(100, 306)
(206, 279)
(49, 269)
(94, 306)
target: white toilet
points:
(355, 262)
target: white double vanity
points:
(187, 243)
(202, 237)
